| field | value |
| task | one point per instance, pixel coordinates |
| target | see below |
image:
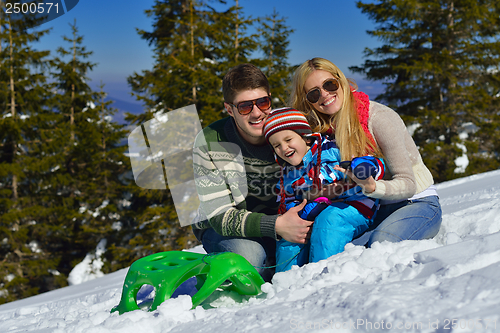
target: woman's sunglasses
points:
(246, 107)
(329, 85)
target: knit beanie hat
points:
(286, 119)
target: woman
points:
(410, 206)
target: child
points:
(308, 161)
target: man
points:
(236, 175)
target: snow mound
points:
(449, 283)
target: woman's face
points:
(329, 102)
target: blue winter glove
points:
(363, 167)
(310, 210)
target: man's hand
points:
(292, 228)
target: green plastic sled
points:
(166, 271)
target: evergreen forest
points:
(66, 183)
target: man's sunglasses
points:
(329, 85)
(246, 107)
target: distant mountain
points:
(124, 107)
(371, 88)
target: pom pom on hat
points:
(286, 119)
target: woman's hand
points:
(368, 185)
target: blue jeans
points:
(406, 220)
(260, 252)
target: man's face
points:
(250, 126)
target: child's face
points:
(289, 145)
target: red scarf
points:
(363, 106)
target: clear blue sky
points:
(332, 29)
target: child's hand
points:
(367, 184)
(330, 191)
(362, 167)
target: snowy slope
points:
(450, 283)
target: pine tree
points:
(92, 161)
(182, 60)
(73, 96)
(61, 163)
(229, 41)
(195, 45)
(274, 46)
(27, 266)
(184, 73)
(440, 65)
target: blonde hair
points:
(351, 139)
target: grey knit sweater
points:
(406, 173)
(235, 182)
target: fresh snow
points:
(90, 267)
(450, 283)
